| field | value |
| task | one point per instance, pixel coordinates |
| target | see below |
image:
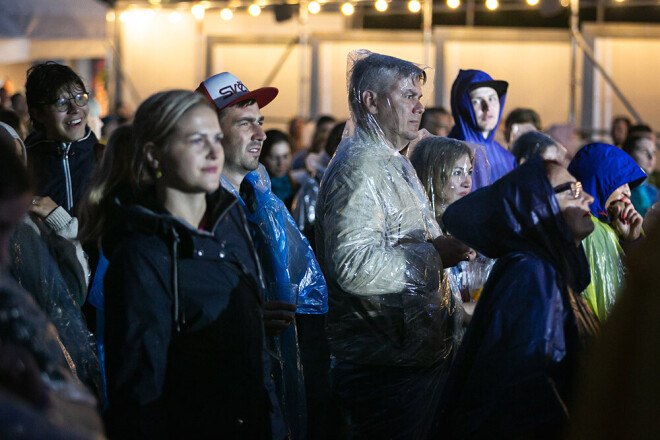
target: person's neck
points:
(485, 134)
(235, 176)
(189, 207)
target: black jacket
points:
(184, 334)
(62, 170)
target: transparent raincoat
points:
(292, 275)
(389, 304)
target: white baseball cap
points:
(224, 89)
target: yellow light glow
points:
(314, 7)
(198, 11)
(565, 3)
(205, 4)
(380, 5)
(174, 17)
(414, 6)
(125, 17)
(110, 16)
(492, 4)
(262, 3)
(532, 2)
(254, 10)
(347, 9)
(453, 4)
(226, 14)
(323, 2)
(154, 2)
(620, 1)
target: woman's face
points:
(278, 160)
(193, 159)
(573, 202)
(459, 183)
(644, 155)
(621, 193)
(67, 124)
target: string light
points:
(414, 6)
(381, 5)
(453, 4)
(205, 4)
(532, 2)
(110, 16)
(254, 10)
(564, 3)
(154, 2)
(347, 9)
(174, 17)
(262, 3)
(226, 14)
(314, 7)
(198, 11)
(492, 4)
(125, 17)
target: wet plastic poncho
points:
(374, 226)
(501, 161)
(512, 376)
(293, 275)
(602, 168)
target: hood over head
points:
(519, 213)
(602, 168)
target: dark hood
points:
(519, 213)
(465, 127)
(602, 168)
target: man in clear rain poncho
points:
(391, 316)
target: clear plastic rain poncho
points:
(294, 276)
(374, 228)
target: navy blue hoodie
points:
(512, 376)
(466, 129)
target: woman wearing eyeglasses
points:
(513, 374)
(61, 151)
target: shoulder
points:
(521, 277)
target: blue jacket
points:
(501, 161)
(62, 169)
(512, 377)
(602, 168)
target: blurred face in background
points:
(486, 105)
(278, 159)
(644, 155)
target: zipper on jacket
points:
(67, 176)
(175, 279)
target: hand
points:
(625, 220)
(277, 316)
(421, 134)
(42, 206)
(452, 251)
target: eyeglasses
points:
(63, 104)
(574, 187)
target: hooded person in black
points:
(184, 333)
(513, 374)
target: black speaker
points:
(283, 12)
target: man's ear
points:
(370, 99)
(152, 155)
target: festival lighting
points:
(381, 5)
(198, 11)
(226, 14)
(174, 17)
(205, 4)
(254, 10)
(262, 3)
(492, 4)
(347, 9)
(125, 17)
(564, 3)
(314, 7)
(532, 2)
(453, 4)
(154, 2)
(414, 6)
(110, 16)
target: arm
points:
(138, 319)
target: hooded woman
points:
(184, 334)
(512, 376)
(609, 174)
(477, 103)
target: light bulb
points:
(226, 14)
(254, 10)
(198, 11)
(314, 7)
(453, 4)
(414, 6)
(492, 4)
(347, 9)
(381, 5)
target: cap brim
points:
(499, 86)
(263, 96)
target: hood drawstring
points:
(175, 279)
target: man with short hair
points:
(477, 103)
(391, 319)
(437, 121)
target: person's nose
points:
(484, 105)
(419, 108)
(259, 134)
(587, 198)
(467, 182)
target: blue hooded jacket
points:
(466, 129)
(512, 376)
(602, 168)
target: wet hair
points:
(44, 84)
(531, 144)
(334, 138)
(113, 170)
(14, 177)
(521, 116)
(433, 159)
(155, 121)
(426, 116)
(273, 137)
(376, 72)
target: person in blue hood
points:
(513, 374)
(477, 103)
(609, 174)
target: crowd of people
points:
(414, 273)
